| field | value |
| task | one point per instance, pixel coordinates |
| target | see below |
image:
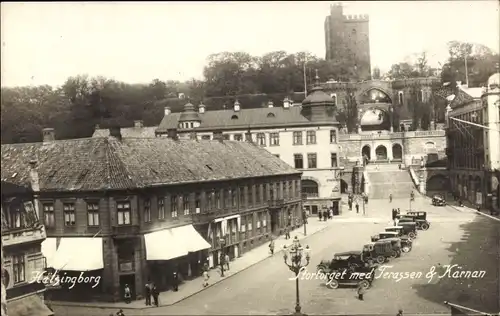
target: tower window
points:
(234, 117)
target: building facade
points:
(466, 145)
(125, 211)
(348, 36)
(22, 258)
(305, 137)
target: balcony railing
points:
(276, 203)
(12, 237)
(125, 231)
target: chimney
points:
(167, 110)
(218, 136)
(270, 104)
(115, 132)
(48, 135)
(35, 185)
(201, 108)
(172, 134)
(138, 124)
(236, 106)
(248, 137)
(286, 103)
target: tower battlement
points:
(356, 17)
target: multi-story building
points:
(491, 115)
(304, 137)
(466, 144)
(22, 237)
(128, 210)
(348, 37)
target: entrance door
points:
(128, 279)
(274, 222)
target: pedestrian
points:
(361, 292)
(226, 259)
(325, 214)
(399, 166)
(320, 215)
(120, 313)
(390, 198)
(400, 313)
(357, 208)
(366, 199)
(350, 205)
(175, 281)
(478, 208)
(147, 293)
(206, 277)
(155, 293)
(330, 214)
(287, 233)
(222, 263)
(271, 247)
(127, 295)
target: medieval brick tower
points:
(348, 36)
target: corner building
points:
(304, 137)
(130, 210)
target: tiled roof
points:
(462, 97)
(259, 117)
(128, 132)
(108, 163)
(318, 97)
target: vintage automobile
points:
(343, 260)
(403, 243)
(438, 200)
(420, 224)
(403, 231)
(358, 276)
(378, 251)
(409, 228)
(420, 217)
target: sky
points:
(45, 43)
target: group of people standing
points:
(350, 201)
(325, 214)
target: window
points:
(17, 218)
(205, 137)
(242, 196)
(297, 138)
(217, 199)
(93, 214)
(299, 161)
(274, 139)
(185, 204)
(225, 137)
(311, 137)
(243, 227)
(210, 200)
(333, 136)
(227, 198)
(161, 208)
(250, 222)
(250, 195)
(238, 137)
(257, 194)
(18, 268)
(174, 202)
(234, 117)
(123, 213)
(197, 202)
(147, 211)
(234, 197)
(261, 139)
(311, 161)
(257, 225)
(69, 214)
(400, 96)
(48, 213)
(333, 159)
(290, 189)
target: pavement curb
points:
(190, 295)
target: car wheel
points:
(394, 254)
(398, 253)
(364, 284)
(406, 249)
(333, 284)
(412, 235)
(425, 226)
(380, 259)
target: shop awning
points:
(173, 243)
(28, 306)
(74, 253)
(191, 238)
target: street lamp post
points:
(296, 254)
(222, 242)
(391, 110)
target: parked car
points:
(378, 251)
(405, 245)
(357, 269)
(438, 200)
(420, 218)
(357, 276)
(402, 231)
(343, 260)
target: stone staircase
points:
(385, 179)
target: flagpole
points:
(466, 71)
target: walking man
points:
(147, 293)
(390, 198)
(206, 277)
(175, 281)
(357, 208)
(127, 294)
(155, 293)
(400, 313)
(271, 247)
(287, 233)
(226, 260)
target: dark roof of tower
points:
(317, 96)
(189, 114)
